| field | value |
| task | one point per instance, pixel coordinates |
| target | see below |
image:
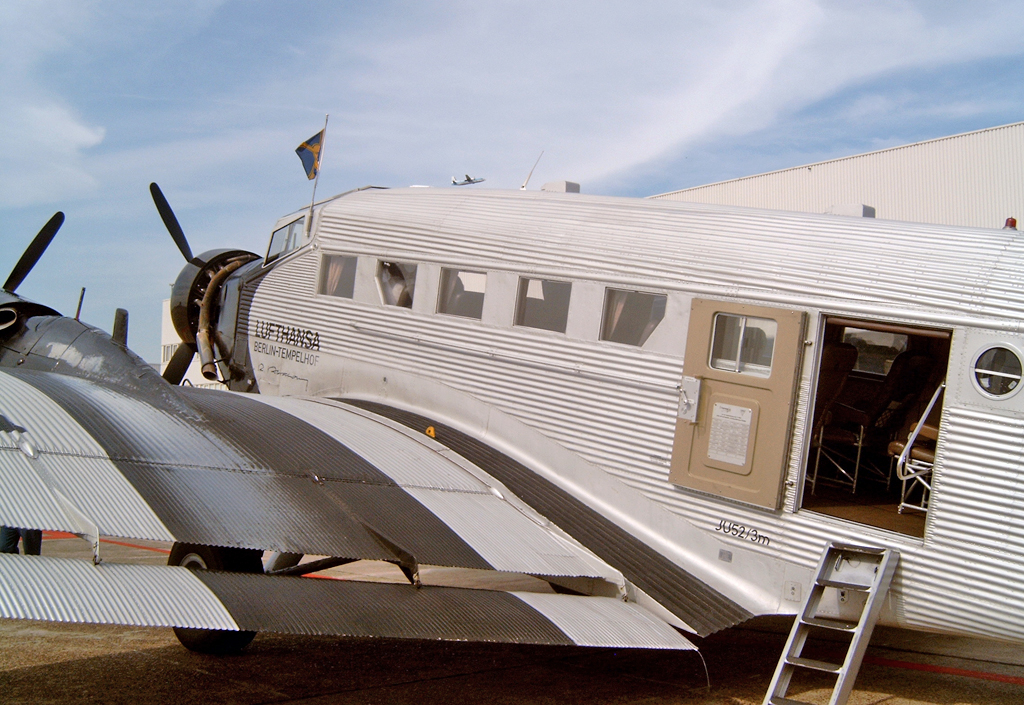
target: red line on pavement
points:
(135, 545)
(984, 675)
(48, 535)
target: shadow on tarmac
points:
(99, 664)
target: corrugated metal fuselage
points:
(599, 418)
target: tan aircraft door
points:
(737, 400)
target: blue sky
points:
(210, 99)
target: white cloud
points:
(43, 137)
(43, 159)
(45, 141)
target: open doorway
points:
(876, 413)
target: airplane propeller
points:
(182, 358)
(33, 252)
(194, 299)
(178, 366)
(171, 222)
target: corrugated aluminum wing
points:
(25, 500)
(506, 538)
(61, 590)
(400, 457)
(601, 621)
(228, 469)
(68, 460)
(34, 587)
(697, 604)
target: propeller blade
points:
(178, 366)
(167, 215)
(33, 252)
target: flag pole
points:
(319, 161)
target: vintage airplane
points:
(681, 416)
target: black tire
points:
(219, 642)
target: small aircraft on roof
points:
(466, 181)
(680, 416)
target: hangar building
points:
(975, 179)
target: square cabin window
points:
(338, 276)
(397, 283)
(543, 304)
(631, 316)
(462, 293)
(743, 344)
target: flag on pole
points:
(309, 153)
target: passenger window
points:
(462, 293)
(743, 344)
(338, 276)
(543, 304)
(876, 349)
(285, 239)
(997, 371)
(631, 316)
(397, 283)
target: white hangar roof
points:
(975, 179)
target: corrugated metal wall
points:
(975, 179)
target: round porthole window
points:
(997, 371)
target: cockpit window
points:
(397, 283)
(462, 293)
(338, 276)
(285, 239)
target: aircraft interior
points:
(876, 417)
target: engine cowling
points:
(197, 301)
(191, 286)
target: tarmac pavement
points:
(42, 662)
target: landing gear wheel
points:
(233, 560)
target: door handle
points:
(689, 399)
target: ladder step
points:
(838, 625)
(779, 700)
(863, 550)
(840, 585)
(815, 665)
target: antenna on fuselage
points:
(523, 187)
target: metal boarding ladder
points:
(859, 569)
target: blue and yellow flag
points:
(309, 153)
